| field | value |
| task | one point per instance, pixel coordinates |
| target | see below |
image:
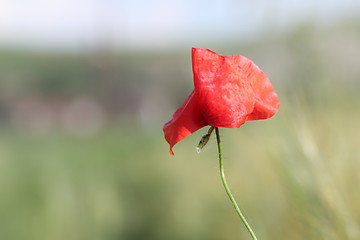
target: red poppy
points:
(229, 90)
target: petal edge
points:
(186, 120)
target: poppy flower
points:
(229, 90)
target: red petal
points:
(229, 90)
(186, 120)
(225, 94)
(267, 102)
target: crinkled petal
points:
(225, 94)
(186, 120)
(267, 101)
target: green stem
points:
(227, 189)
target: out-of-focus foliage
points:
(82, 154)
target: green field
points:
(295, 177)
(82, 153)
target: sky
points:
(153, 24)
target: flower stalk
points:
(227, 189)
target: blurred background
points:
(86, 86)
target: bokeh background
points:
(86, 86)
